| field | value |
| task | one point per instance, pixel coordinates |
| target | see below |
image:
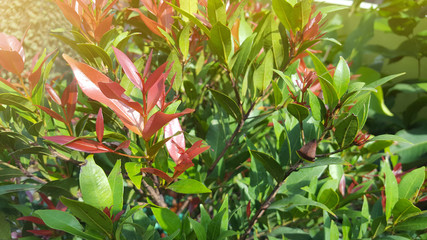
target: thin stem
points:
(28, 174)
(268, 201)
(23, 86)
(157, 198)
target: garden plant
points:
(212, 119)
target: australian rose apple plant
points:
(198, 120)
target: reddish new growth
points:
(361, 139)
(304, 83)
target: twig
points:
(268, 201)
(230, 141)
(26, 172)
(157, 198)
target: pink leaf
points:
(123, 145)
(69, 99)
(176, 145)
(52, 113)
(100, 125)
(158, 120)
(129, 68)
(114, 90)
(152, 25)
(158, 173)
(11, 61)
(53, 94)
(342, 185)
(83, 145)
(155, 76)
(69, 13)
(89, 78)
(148, 65)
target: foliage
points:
(210, 120)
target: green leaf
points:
(360, 109)
(403, 210)
(411, 183)
(241, 56)
(418, 222)
(220, 41)
(325, 162)
(167, 219)
(341, 78)
(298, 200)
(4, 189)
(192, 18)
(94, 185)
(346, 131)
(318, 110)
(285, 12)
(277, 93)
(328, 197)
(198, 229)
(90, 215)
(184, 42)
(298, 111)
(270, 164)
(189, 186)
(329, 93)
(383, 80)
(115, 179)
(189, 6)
(17, 102)
(389, 137)
(31, 150)
(391, 190)
(321, 70)
(228, 104)
(216, 12)
(63, 221)
(96, 52)
(263, 75)
(134, 172)
(8, 173)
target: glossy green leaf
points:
(228, 104)
(341, 78)
(403, 210)
(115, 179)
(64, 221)
(17, 102)
(31, 150)
(94, 185)
(263, 75)
(199, 230)
(391, 190)
(329, 93)
(241, 57)
(318, 110)
(189, 186)
(277, 93)
(298, 111)
(10, 188)
(384, 80)
(298, 200)
(167, 219)
(361, 109)
(90, 215)
(389, 137)
(96, 52)
(285, 12)
(329, 198)
(216, 12)
(325, 162)
(184, 42)
(189, 6)
(133, 170)
(192, 18)
(220, 41)
(8, 173)
(411, 183)
(321, 70)
(346, 131)
(270, 164)
(418, 222)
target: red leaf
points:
(51, 113)
(69, 13)
(83, 145)
(176, 145)
(35, 75)
(123, 145)
(103, 27)
(129, 68)
(248, 210)
(147, 65)
(89, 78)
(35, 220)
(53, 94)
(41, 232)
(11, 61)
(158, 120)
(69, 99)
(155, 92)
(184, 161)
(100, 125)
(165, 16)
(155, 76)
(150, 5)
(114, 90)
(47, 201)
(152, 25)
(158, 173)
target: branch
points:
(157, 198)
(24, 171)
(269, 200)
